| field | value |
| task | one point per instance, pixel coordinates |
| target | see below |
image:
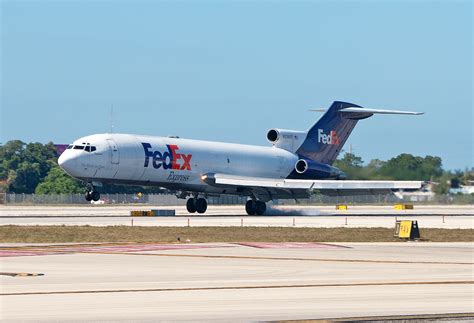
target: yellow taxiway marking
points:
(461, 282)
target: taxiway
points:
(248, 281)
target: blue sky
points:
(229, 71)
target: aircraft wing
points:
(300, 188)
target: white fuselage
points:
(173, 163)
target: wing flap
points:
(302, 184)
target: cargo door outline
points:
(115, 153)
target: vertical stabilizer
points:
(327, 137)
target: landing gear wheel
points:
(95, 196)
(260, 207)
(88, 197)
(251, 207)
(201, 205)
(191, 205)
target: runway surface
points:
(449, 217)
(248, 281)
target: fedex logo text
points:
(170, 159)
(329, 139)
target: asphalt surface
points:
(449, 217)
(234, 282)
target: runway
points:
(246, 281)
(448, 217)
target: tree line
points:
(33, 168)
(405, 167)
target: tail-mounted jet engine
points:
(289, 140)
(313, 170)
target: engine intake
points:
(314, 170)
(273, 135)
(301, 166)
(289, 140)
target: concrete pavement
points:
(235, 281)
(449, 217)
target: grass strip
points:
(63, 234)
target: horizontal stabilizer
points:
(371, 111)
(377, 111)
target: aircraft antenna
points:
(111, 118)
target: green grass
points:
(63, 234)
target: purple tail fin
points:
(327, 137)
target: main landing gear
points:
(199, 205)
(195, 204)
(255, 207)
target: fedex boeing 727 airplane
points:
(297, 163)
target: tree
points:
(402, 167)
(10, 157)
(431, 167)
(352, 165)
(24, 166)
(58, 182)
(25, 178)
(351, 160)
(409, 167)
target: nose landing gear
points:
(92, 194)
(195, 204)
(255, 207)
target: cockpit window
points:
(89, 148)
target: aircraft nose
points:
(67, 163)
